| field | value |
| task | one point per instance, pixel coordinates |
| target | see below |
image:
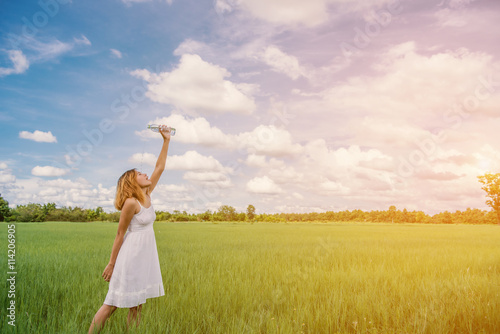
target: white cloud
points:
(48, 171)
(297, 13)
(63, 192)
(268, 140)
(36, 51)
(286, 175)
(6, 177)
(282, 62)
(196, 86)
(190, 46)
(116, 53)
(194, 161)
(209, 179)
(455, 4)
(286, 12)
(45, 51)
(143, 158)
(343, 158)
(19, 61)
(171, 188)
(264, 139)
(38, 136)
(82, 40)
(254, 160)
(385, 132)
(449, 18)
(193, 131)
(417, 89)
(263, 185)
(332, 187)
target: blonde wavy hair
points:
(128, 187)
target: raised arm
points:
(160, 163)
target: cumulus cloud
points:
(216, 180)
(332, 187)
(194, 161)
(268, 140)
(263, 185)
(63, 192)
(190, 46)
(201, 170)
(282, 62)
(6, 177)
(289, 12)
(255, 160)
(38, 136)
(48, 171)
(411, 95)
(19, 63)
(143, 158)
(297, 13)
(196, 86)
(80, 192)
(191, 131)
(264, 139)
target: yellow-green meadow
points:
(267, 278)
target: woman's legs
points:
(134, 315)
(100, 318)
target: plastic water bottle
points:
(157, 128)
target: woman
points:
(133, 271)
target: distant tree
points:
(4, 209)
(491, 184)
(31, 212)
(93, 214)
(443, 218)
(227, 212)
(392, 213)
(251, 212)
(205, 216)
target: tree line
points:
(34, 212)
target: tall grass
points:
(268, 278)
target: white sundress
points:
(136, 275)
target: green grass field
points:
(267, 278)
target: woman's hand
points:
(165, 132)
(108, 271)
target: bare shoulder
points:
(131, 204)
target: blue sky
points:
(290, 106)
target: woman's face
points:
(143, 180)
